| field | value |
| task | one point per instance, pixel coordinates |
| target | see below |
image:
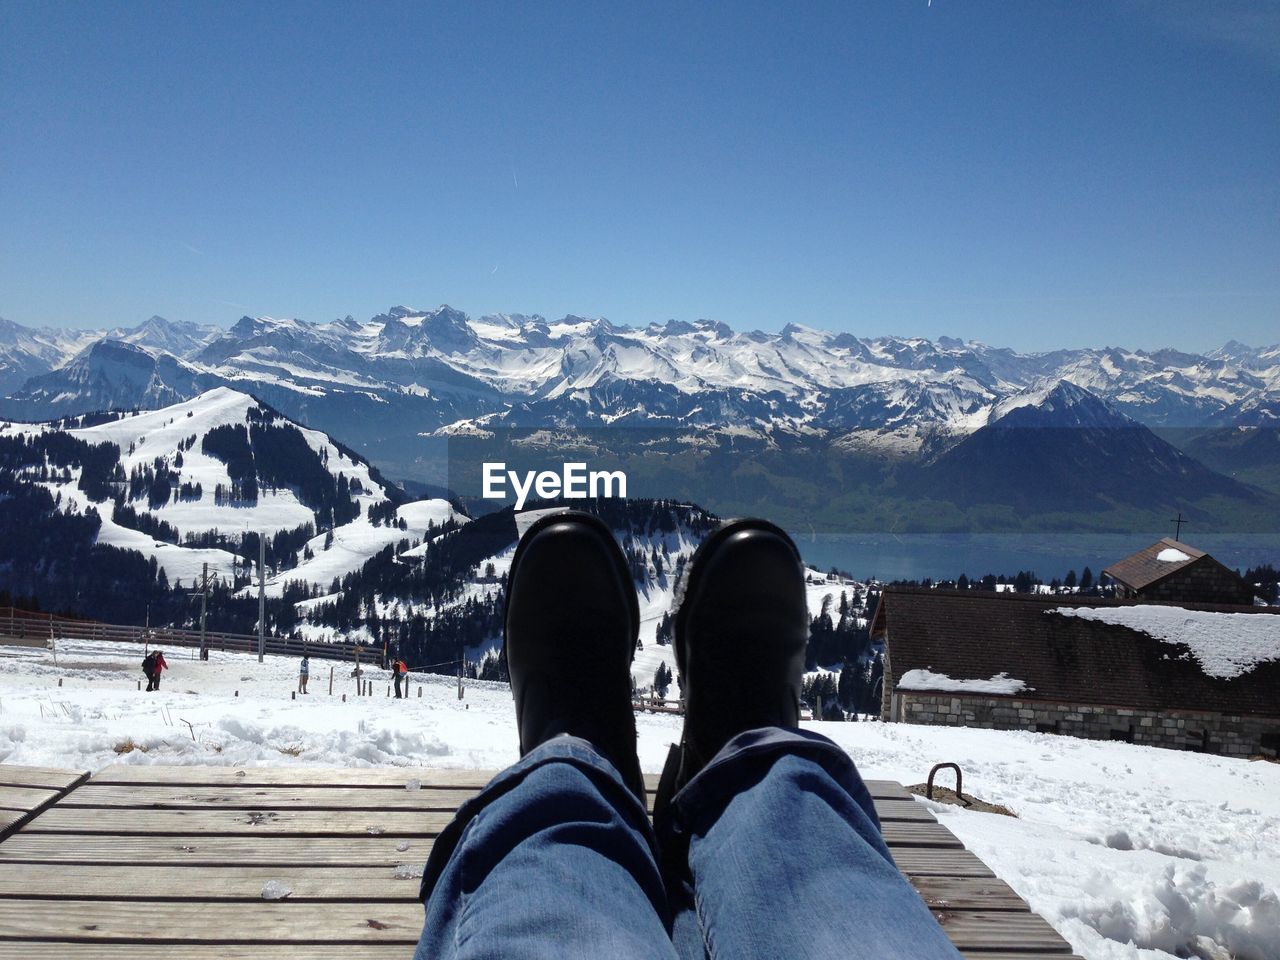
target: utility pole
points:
(204, 596)
(262, 596)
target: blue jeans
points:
(772, 850)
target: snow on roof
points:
(1226, 645)
(1151, 564)
(1001, 683)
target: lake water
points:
(946, 556)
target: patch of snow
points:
(1001, 683)
(1171, 555)
(1226, 645)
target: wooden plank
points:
(60, 881)
(253, 819)
(41, 778)
(271, 921)
(124, 822)
(20, 803)
(376, 777)
(228, 882)
(1016, 955)
(196, 850)
(63, 950)
(993, 931)
(282, 921)
(28, 846)
(903, 810)
(146, 796)
(913, 861)
(390, 778)
(379, 777)
(25, 798)
(968, 893)
(351, 799)
(888, 790)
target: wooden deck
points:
(151, 862)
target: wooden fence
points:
(25, 628)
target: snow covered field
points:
(1130, 852)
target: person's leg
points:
(785, 858)
(770, 841)
(554, 859)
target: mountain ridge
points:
(409, 374)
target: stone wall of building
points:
(1236, 736)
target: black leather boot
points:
(740, 631)
(570, 634)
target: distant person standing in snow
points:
(398, 670)
(304, 672)
(764, 842)
(152, 666)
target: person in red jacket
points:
(158, 663)
(399, 671)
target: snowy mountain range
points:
(409, 373)
(903, 414)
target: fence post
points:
(331, 681)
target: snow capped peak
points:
(1057, 403)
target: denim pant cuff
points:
(563, 749)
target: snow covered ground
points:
(1130, 852)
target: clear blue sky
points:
(1031, 174)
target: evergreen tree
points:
(662, 680)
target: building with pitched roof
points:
(1195, 676)
(1177, 572)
